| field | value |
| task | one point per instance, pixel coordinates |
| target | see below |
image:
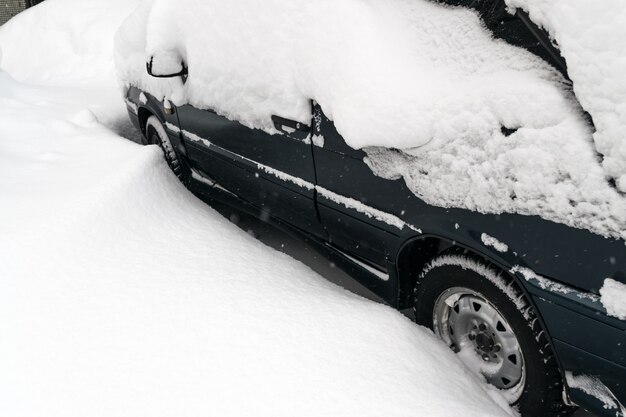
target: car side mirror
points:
(166, 70)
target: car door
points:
(274, 172)
(360, 211)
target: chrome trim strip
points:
(348, 202)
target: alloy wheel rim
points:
(486, 343)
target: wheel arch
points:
(413, 255)
(417, 251)
(143, 114)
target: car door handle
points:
(291, 127)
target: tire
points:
(497, 334)
(156, 135)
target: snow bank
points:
(613, 298)
(590, 35)
(39, 47)
(70, 43)
(482, 125)
(110, 307)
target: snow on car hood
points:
(481, 124)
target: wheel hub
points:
(470, 324)
(484, 343)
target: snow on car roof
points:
(482, 125)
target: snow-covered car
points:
(449, 171)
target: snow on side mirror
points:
(167, 66)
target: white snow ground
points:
(122, 294)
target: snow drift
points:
(111, 307)
(40, 48)
(481, 124)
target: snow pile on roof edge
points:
(396, 73)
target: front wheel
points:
(156, 135)
(484, 317)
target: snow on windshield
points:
(480, 124)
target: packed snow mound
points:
(591, 36)
(110, 307)
(61, 49)
(70, 43)
(481, 124)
